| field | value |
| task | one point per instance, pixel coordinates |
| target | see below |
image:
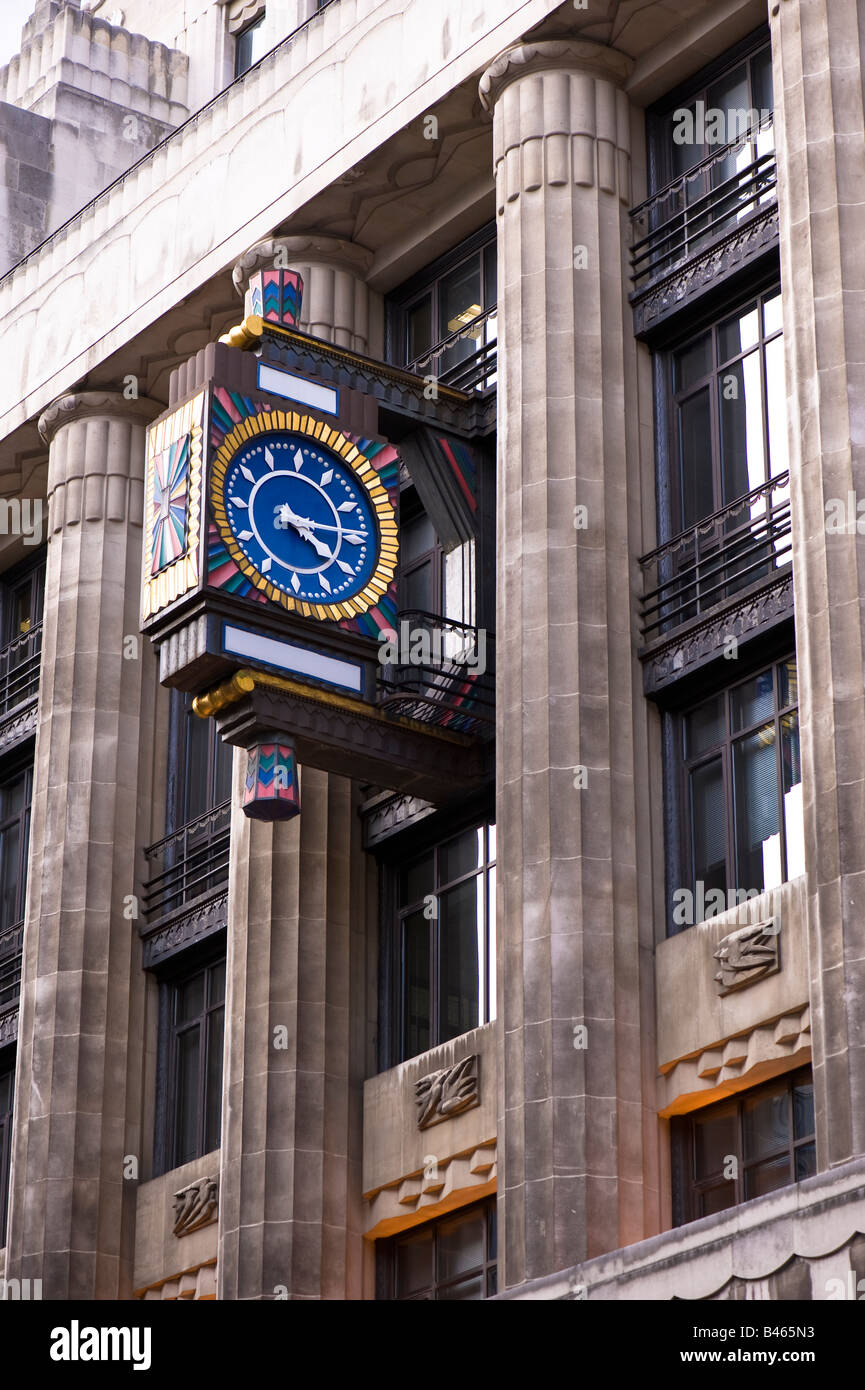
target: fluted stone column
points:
(338, 305)
(296, 1050)
(78, 1085)
(574, 1173)
(819, 70)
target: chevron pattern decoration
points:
(271, 791)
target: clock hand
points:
(325, 526)
(285, 517)
(319, 546)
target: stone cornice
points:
(95, 404)
(308, 247)
(556, 55)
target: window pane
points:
(460, 855)
(222, 773)
(704, 727)
(187, 1128)
(740, 403)
(460, 1245)
(794, 821)
(761, 81)
(695, 445)
(806, 1162)
(417, 590)
(459, 297)
(419, 328)
(738, 333)
(755, 791)
(416, 984)
(767, 1177)
(714, 1142)
(10, 843)
(776, 407)
(416, 538)
(213, 1093)
(772, 316)
(719, 1198)
(251, 45)
(490, 275)
(190, 999)
(692, 363)
(197, 792)
(803, 1110)
(461, 970)
(765, 1123)
(491, 918)
(468, 1290)
(417, 881)
(788, 684)
(217, 983)
(709, 831)
(491, 837)
(752, 702)
(414, 1269)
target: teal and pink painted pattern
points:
(170, 504)
(276, 296)
(271, 791)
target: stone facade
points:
(365, 147)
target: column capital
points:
(305, 248)
(554, 55)
(81, 405)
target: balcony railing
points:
(19, 669)
(473, 371)
(11, 942)
(690, 215)
(720, 557)
(446, 678)
(192, 864)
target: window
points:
(7, 1086)
(420, 565)
(449, 297)
(743, 785)
(446, 934)
(22, 595)
(250, 45)
(196, 1019)
(15, 796)
(744, 1147)
(453, 1259)
(729, 413)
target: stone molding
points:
(304, 248)
(555, 55)
(447, 1092)
(195, 1284)
(9, 1024)
(84, 405)
(196, 1205)
(183, 929)
(243, 12)
(444, 1185)
(728, 1066)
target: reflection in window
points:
(744, 1147)
(197, 1019)
(729, 397)
(743, 786)
(444, 303)
(452, 1259)
(250, 45)
(447, 940)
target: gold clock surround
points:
(269, 422)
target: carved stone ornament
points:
(748, 954)
(448, 1092)
(580, 55)
(196, 1206)
(79, 405)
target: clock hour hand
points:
(285, 517)
(319, 546)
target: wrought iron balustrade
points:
(445, 675)
(11, 943)
(721, 556)
(192, 864)
(474, 372)
(674, 225)
(20, 662)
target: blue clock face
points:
(301, 517)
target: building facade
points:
(555, 986)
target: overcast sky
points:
(14, 14)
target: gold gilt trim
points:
(268, 422)
(242, 682)
(182, 574)
(245, 335)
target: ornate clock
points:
(304, 516)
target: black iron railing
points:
(20, 662)
(192, 864)
(698, 209)
(459, 367)
(445, 675)
(736, 547)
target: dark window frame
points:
(411, 510)
(21, 764)
(408, 296)
(201, 959)
(487, 1270)
(240, 66)
(7, 1083)
(689, 1190)
(404, 910)
(723, 750)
